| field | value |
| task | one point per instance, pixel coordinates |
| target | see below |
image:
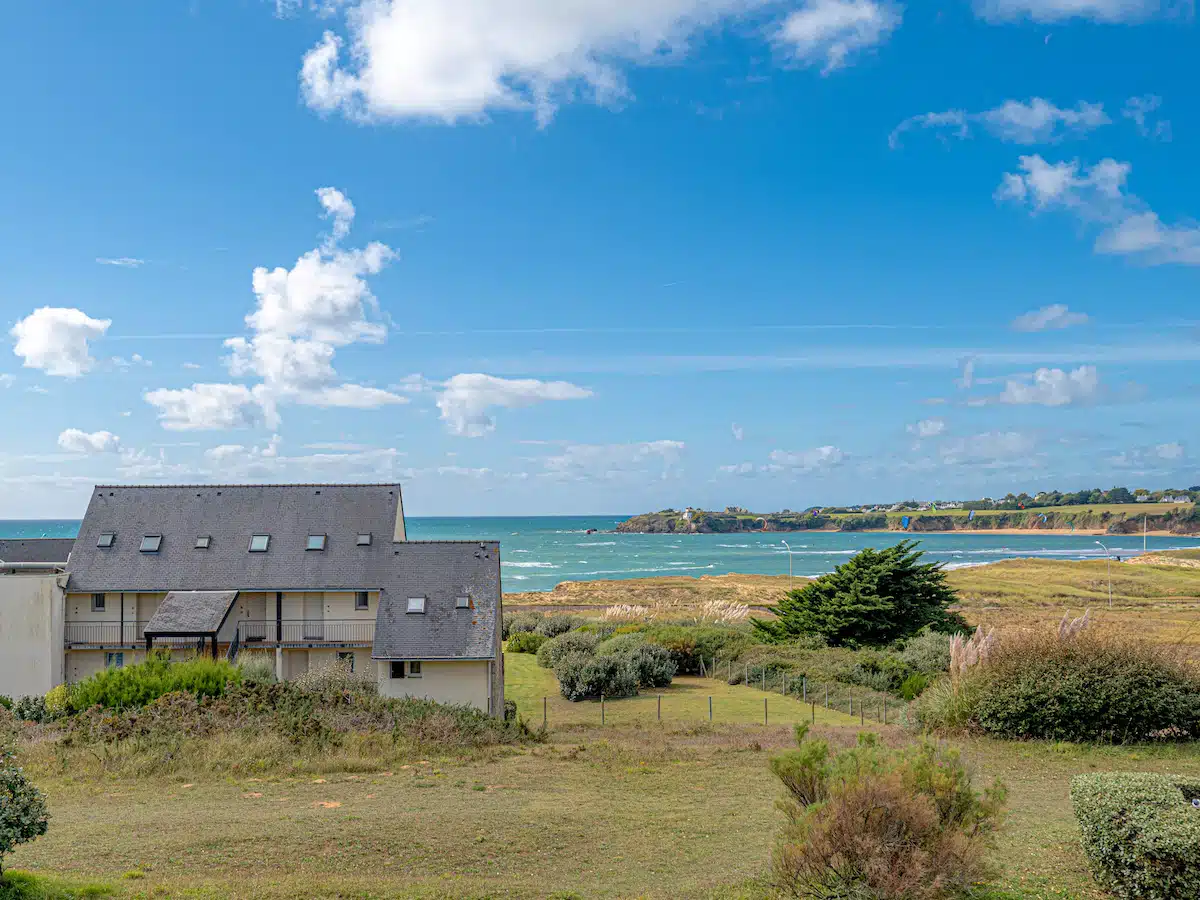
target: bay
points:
(538, 552)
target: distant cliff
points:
(1181, 521)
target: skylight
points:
(106, 539)
(315, 542)
(416, 604)
(203, 542)
(259, 543)
(151, 543)
(364, 540)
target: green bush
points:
(585, 677)
(689, 644)
(947, 705)
(559, 623)
(30, 709)
(6, 701)
(23, 815)
(927, 652)
(912, 687)
(58, 702)
(257, 668)
(621, 643)
(652, 665)
(1140, 833)
(883, 824)
(551, 652)
(139, 684)
(526, 642)
(1092, 687)
(515, 623)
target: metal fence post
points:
(543, 713)
(827, 695)
(601, 709)
(765, 710)
(660, 707)
(710, 708)
(805, 684)
(814, 712)
(862, 713)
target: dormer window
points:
(106, 539)
(416, 604)
(151, 543)
(259, 543)
(364, 540)
(315, 542)
(203, 542)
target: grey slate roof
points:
(191, 612)
(36, 550)
(437, 570)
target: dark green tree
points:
(22, 807)
(873, 599)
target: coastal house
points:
(307, 573)
(32, 580)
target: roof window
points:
(416, 604)
(364, 540)
(151, 543)
(315, 542)
(462, 603)
(203, 542)
(259, 543)
(106, 539)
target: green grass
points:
(27, 886)
(1117, 509)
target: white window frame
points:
(363, 539)
(308, 544)
(416, 605)
(106, 539)
(151, 543)
(463, 601)
(266, 544)
(203, 541)
(99, 602)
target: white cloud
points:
(206, 407)
(738, 432)
(1172, 450)
(1037, 121)
(75, 441)
(966, 375)
(586, 462)
(829, 32)
(990, 450)
(815, 460)
(1138, 110)
(339, 208)
(55, 340)
(136, 360)
(1049, 318)
(190, 365)
(124, 262)
(1097, 196)
(1109, 11)
(465, 399)
(1054, 387)
(6, 380)
(927, 428)
(1146, 460)
(746, 468)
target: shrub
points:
(689, 644)
(526, 642)
(1140, 833)
(927, 652)
(913, 686)
(653, 666)
(948, 705)
(515, 623)
(6, 701)
(334, 678)
(1088, 688)
(30, 709)
(23, 814)
(257, 668)
(584, 677)
(551, 652)
(553, 626)
(877, 597)
(143, 682)
(621, 643)
(882, 824)
(58, 702)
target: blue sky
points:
(535, 258)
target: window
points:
(414, 670)
(360, 600)
(259, 543)
(397, 670)
(203, 542)
(416, 604)
(97, 603)
(346, 657)
(106, 539)
(406, 670)
(462, 603)
(315, 542)
(364, 540)
(151, 543)
(114, 660)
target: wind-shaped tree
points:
(871, 600)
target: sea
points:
(538, 552)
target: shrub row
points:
(588, 667)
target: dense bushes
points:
(584, 677)
(883, 824)
(30, 709)
(23, 814)
(515, 623)
(927, 653)
(552, 652)
(1140, 833)
(139, 684)
(553, 626)
(690, 644)
(526, 642)
(257, 668)
(587, 667)
(652, 666)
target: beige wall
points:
(31, 633)
(445, 682)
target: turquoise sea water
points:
(539, 552)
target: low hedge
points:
(552, 652)
(526, 642)
(1141, 833)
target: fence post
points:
(851, 704)
(814, 712)
(805, 684)
(885, 710)
(746, 674)
(710, 707)
(785, 684)
(660, 707)
(729, 671)
(764, 710)
(862, 713)
(601, 709)
(827, 695)
(543, 714)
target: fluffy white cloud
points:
(124, 262)
(586, 462)
(1049, 318)
(1054, 387)
(1172, 450)
(738, 432)
(1097, 195)
(1146, 460)
(1110, 11)
(75, 441)
(990, 450)
(55, 340)
(209, 407)
(339, 208)
(829, 32)
(1036, 122)
(927, 428)
(6, 380)
(817, 459)
(465, 399)
(1138, 111)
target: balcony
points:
(306, 633)
(115, 635)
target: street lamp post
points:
(791, 577)
(1109, 557)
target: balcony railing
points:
(116, 634)
(306, 632)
